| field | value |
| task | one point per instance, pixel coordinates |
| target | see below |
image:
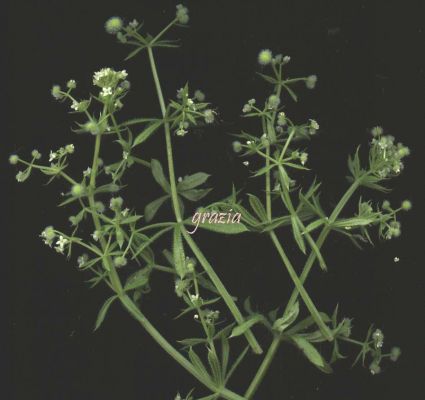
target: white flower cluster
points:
(108, 79)
(386, 154)
(63, 151)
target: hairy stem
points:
(174, 198)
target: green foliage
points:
(118, 246)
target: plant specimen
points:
(122, 252)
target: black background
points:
(367, 56)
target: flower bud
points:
(265, 57)
(311, 82)
(199, 95)
(71, 84)
(77, 190)
(113, 25)
(374, 368)
(120, 261)
(237, 146)
(36, 154)
(376, 131)
(209, 116)
(406, 205)
(13, 159)
(273, 102)
(386, 205)
(182, 14)
(56, 92)
(99, 206)
(395, 354)
(116, 203)
(69, 148)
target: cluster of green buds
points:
(385, 155)
(57, 159)
(373, 346)
(188, 111)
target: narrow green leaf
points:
(104, 309)
(228, 229)
(311, 353)
(134, 52)
(152, 208)
(215, 367)
(192, 181)
(149, 241)
(198, 364)
(138, 279)
(158, 174)
(297, 234)
(306, 323)
(192, 341)
(257, 207)
(178, 253)
(146, 133)
(288, 318)
(195, 194)
(242, 328)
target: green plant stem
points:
(322, 237)
(259, 376)
(129, 304)
(299, 286)
(305, 296)
(222, 290)
(268, 186)
(169, 148)
(170, 350)
(113, 276)
(174, 198)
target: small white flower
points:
(179, 179)
(87, 172)
(125, 155)
(95, 235)
(303, 158)
(194, 298)
(246, 163)
(75, 105)
(196, 316)
(133, 24)
(52, 156)
(314, 124)
(248, 142)
(60, 244)
(106, 91)
(181, 132)
(125, 212)
(123, 73)
(82, 260)
(396, 259)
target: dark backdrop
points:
(367, 55)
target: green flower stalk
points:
(118, 246)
